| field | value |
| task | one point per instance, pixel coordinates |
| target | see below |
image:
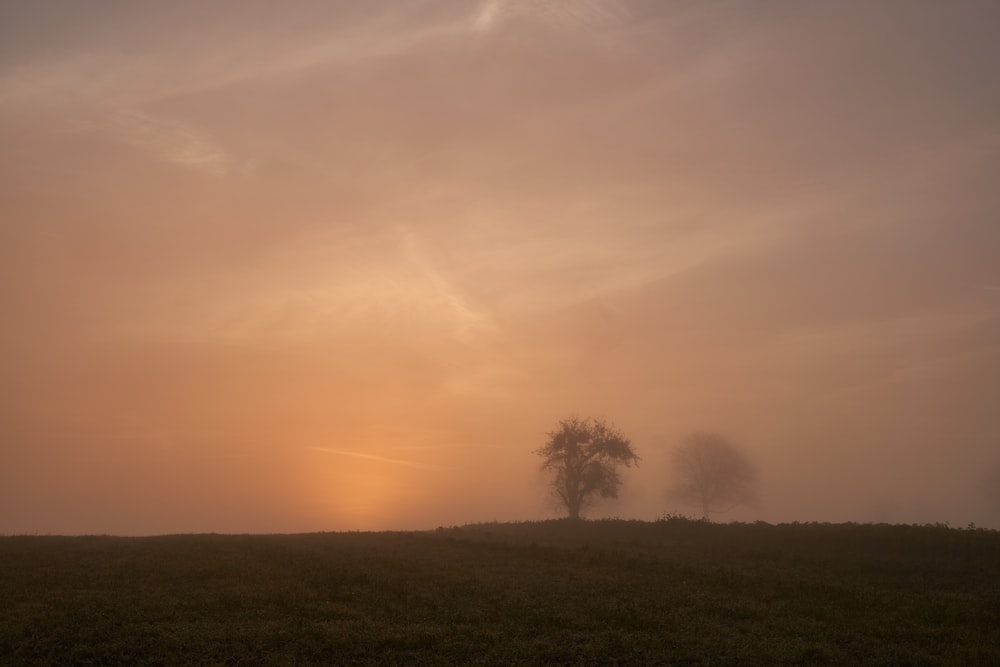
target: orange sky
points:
(275, 267)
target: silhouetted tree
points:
(711, 472)
(585, 455)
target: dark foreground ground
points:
(670, 592)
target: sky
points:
(309, 266)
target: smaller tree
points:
(711, 472)
(585, 455)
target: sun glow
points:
(362, 490)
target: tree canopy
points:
(713, 473)
(585, 455)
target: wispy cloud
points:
(213, 56)
(375, 457)
(469, 318)
(171, 141)
(486, 18)
(575, 14)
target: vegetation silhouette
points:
(711, 472)
(585, 455)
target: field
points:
(674, 591)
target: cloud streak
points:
(376, 457)
(170, 141)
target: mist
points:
(342, 266)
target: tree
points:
(711, 472)
(585, 455)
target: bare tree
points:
(585, 455)
(711, 472)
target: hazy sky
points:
(275, 267)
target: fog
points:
(281, 267)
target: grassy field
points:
(668, 592)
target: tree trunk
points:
(574, 508)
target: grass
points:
(675, 592)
